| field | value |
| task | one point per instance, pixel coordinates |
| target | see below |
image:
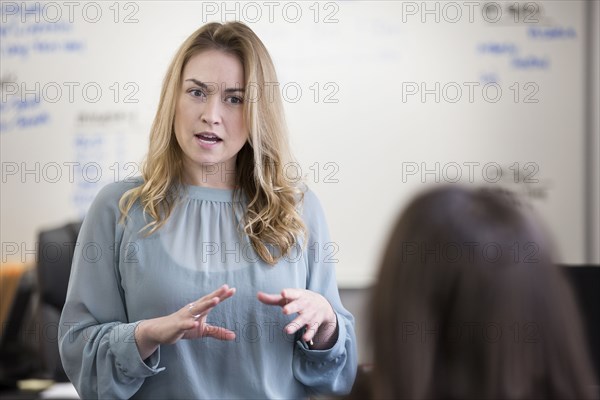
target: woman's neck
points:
(213, 175)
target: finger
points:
(228, 293)
(189, 324)
(311, 331)
(198, 309)
(205, 306)
(295, 325)
(216, 293)
(295, 306)
(271, 299)
(218, 333)
(308, 336)
(220, 296)
(224, 292)
(291, 293)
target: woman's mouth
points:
(208, 138)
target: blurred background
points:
(382, 100)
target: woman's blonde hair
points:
(271, 219)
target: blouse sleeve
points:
(96, 339)
(330, 371)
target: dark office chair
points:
(55, 254)
(585, 281)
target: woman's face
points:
(209, 120)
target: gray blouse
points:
(120, 277)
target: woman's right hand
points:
(189, 322)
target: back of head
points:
(469, 304)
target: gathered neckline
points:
(208, 193)
(202, 192)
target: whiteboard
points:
(382, 99)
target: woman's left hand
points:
(314, 312)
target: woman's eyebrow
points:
(205, 86)
(197, 82)
(234, 89)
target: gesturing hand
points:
(196, 326)
(189, 322)
(314, 312)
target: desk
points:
(62, 391)
(10, 275)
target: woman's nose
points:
(210, 112)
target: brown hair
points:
(469, 304)
(271, 218)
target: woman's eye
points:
(196, 93)
(234, 100)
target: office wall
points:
(593, 22)
(382, 99)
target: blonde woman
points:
(205, 277)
